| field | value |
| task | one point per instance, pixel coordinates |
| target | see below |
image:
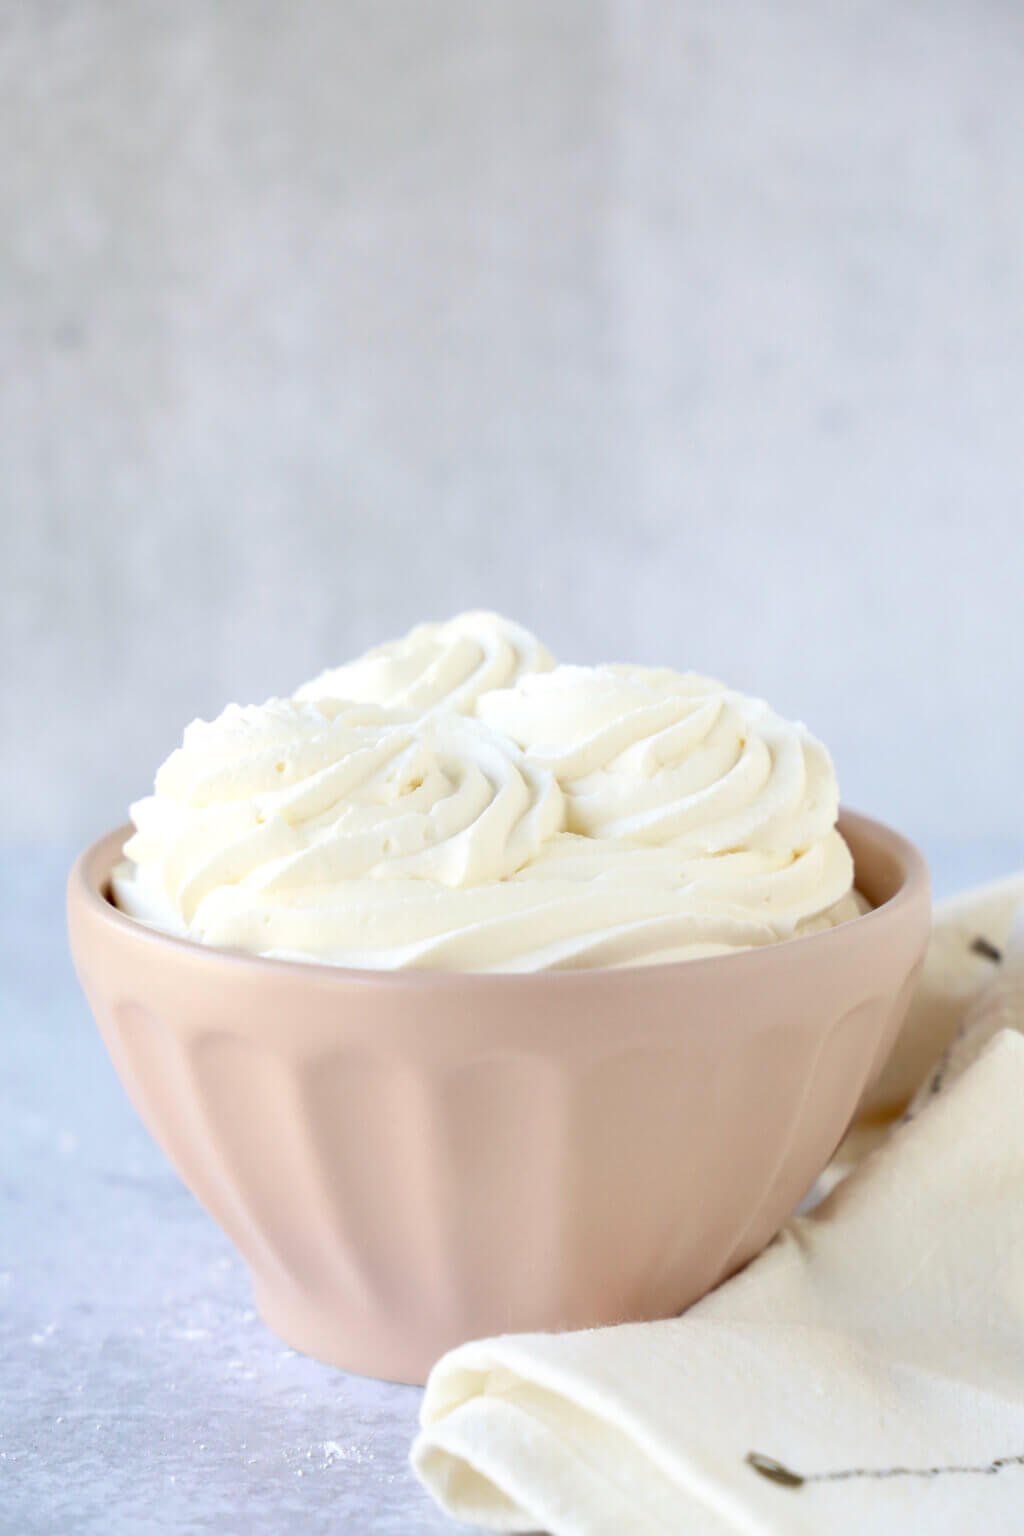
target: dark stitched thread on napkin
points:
(978, 946)
(775, 1472)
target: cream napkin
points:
(969, 933)
(1000, 1005)
(865, 1373)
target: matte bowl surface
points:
(409, 1160)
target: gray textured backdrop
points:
(687, 332)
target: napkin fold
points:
(999, 1006)
(969, 933)
(865, 1373)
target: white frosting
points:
(288, 797)
(437, 666)
(588, 816)
(672, 759)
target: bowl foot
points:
(351, 1343)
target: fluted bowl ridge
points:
(410, 1159)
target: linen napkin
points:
(967, 960)
(865, 1373)
(999, 1006)
(969, 933)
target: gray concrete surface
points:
(688, 333)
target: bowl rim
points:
(89, 878)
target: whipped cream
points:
(667, 758)
(434, 666)
(453, 800)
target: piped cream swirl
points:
(435, 666)
(671, 759)
(287, 797)
(585, 816)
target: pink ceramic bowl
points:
(408, 1160)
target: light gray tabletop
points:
(139, 1392)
